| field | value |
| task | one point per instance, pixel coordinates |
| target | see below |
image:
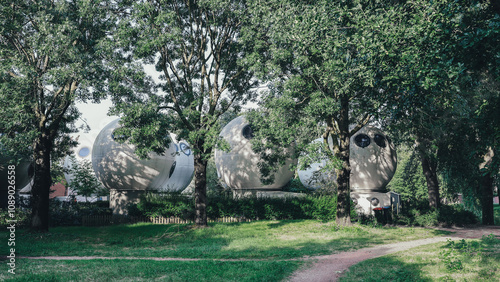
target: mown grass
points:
(263, 247)
(255, 240)
(142, 270)
(465, 260)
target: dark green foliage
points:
(167, 205)
(84, 182)
(306, 207)
(61, 213)
(295, 186)
(22, 217)
(418, 213)
(497, 214)
(408, 181)
(71, 213)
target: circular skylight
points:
(84, 152)
(362, 140)
(247, 132)
(379, 140)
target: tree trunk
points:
(487, 200)
(429, 168)
(41, 186)
(200, 188)
(343, 174)
(487, 180)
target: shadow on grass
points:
(260, 239)
(385, 269)
(143, 270)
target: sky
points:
(95, 115)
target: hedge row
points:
(321, 207)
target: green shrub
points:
(419, 213)
(322, 207)
(70, 213)
(21, 217)
(167, 205)
(220, 205)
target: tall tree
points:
(52, 54)
(325, 65)
(197, 49)
(441, 87)
(426, 75)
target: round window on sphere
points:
(379, 140)
(362, 140)
(185, 149)
(247, 132)
(84, 152)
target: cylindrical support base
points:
(119, 200)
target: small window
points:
(172, 169)
(362, 140)
(185, 149)
(380, 140)
(247, 132)
(83, 152)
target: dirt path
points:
(331, 267)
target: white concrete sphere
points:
(118, 167)
(373, 160)
(312, 178)
(24, 172)
(182, 171)
(238, 167)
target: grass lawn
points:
(255, 240)
(465, 260)
(142, 270)
(266, 243)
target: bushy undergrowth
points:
(20, 217)
(70, 213)
(167, 205)
(60, 213)
(320, 207)
(419, 214)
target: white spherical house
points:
(373, 162)
(124, 173)
(182, 170)
(23, 173)
(238, 168)
(313, 177)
